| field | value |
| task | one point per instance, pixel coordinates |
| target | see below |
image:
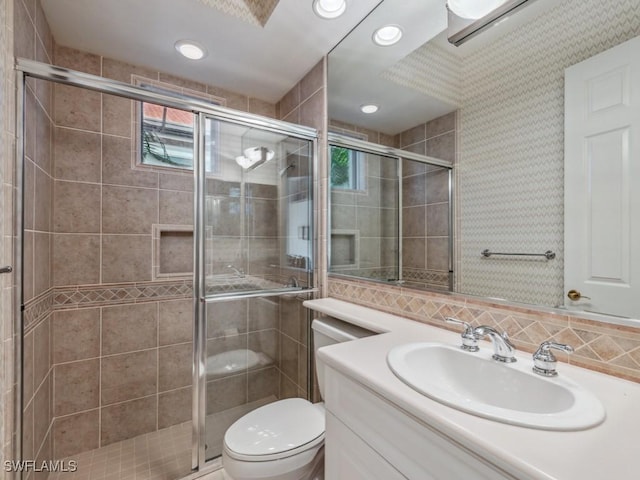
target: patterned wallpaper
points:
(256, 12)
(432, 70)
(511, 163)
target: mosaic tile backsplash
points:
(607, 348)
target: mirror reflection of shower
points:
(254, 157)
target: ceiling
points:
(260, 48)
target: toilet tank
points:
(328, 331)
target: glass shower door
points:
(257, 245)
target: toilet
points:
(284, 440)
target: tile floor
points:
(161, 455)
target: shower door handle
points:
(7, 269)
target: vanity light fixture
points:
(387, 35)
(473, 9)
(371, 108)
(329, 8)
(191, 50)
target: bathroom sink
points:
(508, 393)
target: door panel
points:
(602, 181)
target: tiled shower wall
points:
(33, 40)
(7, 144)
(366, 220)
(425, 203)
(131, 373)
(305, 104)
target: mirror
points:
(495, 106)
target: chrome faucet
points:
(469, 339)
(238, 271)
(503, 349)
(544, 361)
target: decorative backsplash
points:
(606, 348)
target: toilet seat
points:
(278, 430)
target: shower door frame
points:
(202, 110)
(338, 140)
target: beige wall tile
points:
(127, 420)
(226, 393)
(76, 155)
(175, 322)
(440, 125)
(41, 413)
(176, 208)
(267, 342)
(262, 221)
(174, 407)
(128, 376)
(312, 111)
(129, 210)
(227, 318)
(43, 197)
(76, 433)
(414, 252)
(42, 263)
(264, 313)
(28, 368)
(263, 384)
(438, 220)
(126, 328)
(76, 387)
(27, 273)
(77, 207)
(413, 222)
(28, 448)
(41, 352)
(312, 81)
(43, 140)
(24, 41)
(289, 357)
(174, 366)
(260, 107)
(183, 183)
(289, 102)
(75, 334)
(77, 60)
(126, 258)
(29, 194)
(116, 115)
(116, 164)
(438, 186)
(413, 135)
(76, 259)
(77, 108)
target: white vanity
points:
(378, 427)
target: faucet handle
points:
(469, 338)
(544, 361)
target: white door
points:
(602, 181)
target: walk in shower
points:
(167, 246)
(391, 215)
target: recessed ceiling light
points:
(473, 9)
(191, 50)
(387, 35)
(369, 108)
(329, 8)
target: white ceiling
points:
(264, 62)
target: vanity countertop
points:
(607, 451)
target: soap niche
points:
(344, 248)
(172, 251)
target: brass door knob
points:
(575, 295)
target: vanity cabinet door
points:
(347, 457)
(412, 448)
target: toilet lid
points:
(276, 428)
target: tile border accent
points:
(606, 348)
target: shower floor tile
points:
(161, 455)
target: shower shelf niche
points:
(172, 251)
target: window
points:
(347, 169)
(166, 134)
